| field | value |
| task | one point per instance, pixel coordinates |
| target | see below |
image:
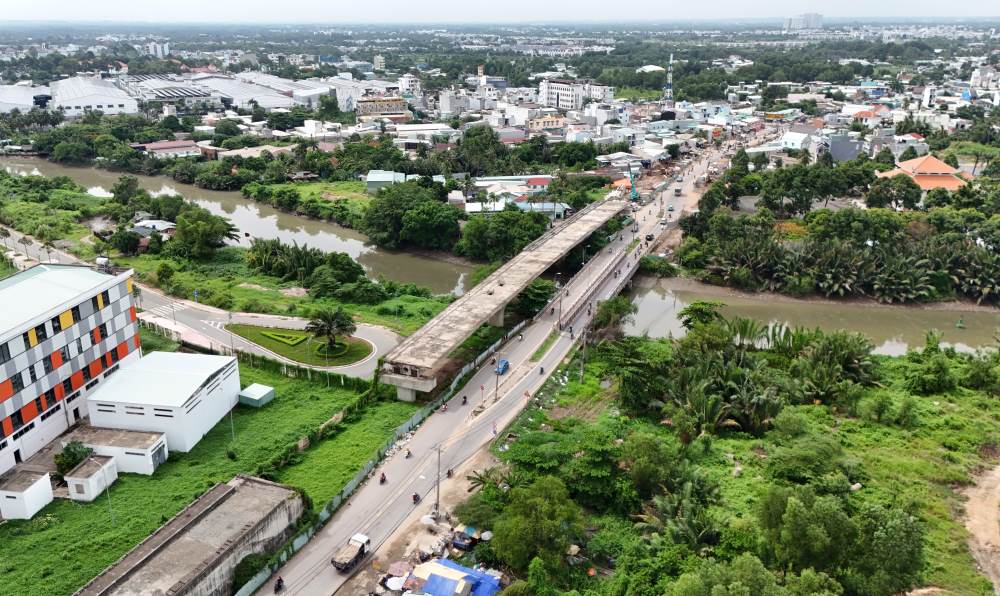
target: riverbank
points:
(440, 273)
(892, 328)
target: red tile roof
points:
(538, 181)
(927, 164)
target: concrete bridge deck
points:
(413, 364)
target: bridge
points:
(415, 363)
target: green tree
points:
(885, 157)
(124, 189)
(199, 233)
(909, 153)
(951, 159)
(431, 225)
(70, 457)
(613, 313)
(533, 298)
(126, 241)
(899, 190)
(700, 312)
(540, 520)
(329, 324)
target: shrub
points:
(70, 457)
(250, 566)
(164, 272)
(933, 375)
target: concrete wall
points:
(129, 460)
(267, 535)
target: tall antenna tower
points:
(668, 91)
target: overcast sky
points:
(479, 11)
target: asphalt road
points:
(205, 325)
(380, 510)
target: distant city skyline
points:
(451, 11)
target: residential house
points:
(928, 172)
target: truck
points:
(352, 553)
(677, 191)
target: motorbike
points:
(279, 585)
(382, 479)
(541, 370)
(465, 399)
(416, 498)
(409, 454)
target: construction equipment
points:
(635, 189)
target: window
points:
(39, 405)
(95, 304)
(79, 346)
(73, 397)
(107, 297)
(40, 332)
(64, 352)
(114, 355)
(91, 384)
(4, 353)
(51, 412)
(121, 105)
(76, 314)
(110, 371)
(56, 325)
(104, 329)
(78, 488)
(67, 386)
(86, 373)
(31, 373)
(17, 420)
(21, 432)
(17, 381)
(50, 398)
(47, 364)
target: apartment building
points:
(567, 94)
(63, 330)
(369, 106)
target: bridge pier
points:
(406, 394)
(497, 319)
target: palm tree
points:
(49, 247)
(329, 324)
(481, 479)
(4, 235)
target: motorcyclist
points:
(382, 478)
(465, 399)
(416, 498)
(409, 454)
(279, 584)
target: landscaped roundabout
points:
(301, 346)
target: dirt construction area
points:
(414, 535)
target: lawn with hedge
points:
(301, 346)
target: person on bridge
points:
(465, 399)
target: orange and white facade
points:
(63, 330)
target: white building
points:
(64, 330)
(567, 94)
(19, 97)
(795, 141)
(378, 63)
(24, 493)
(91, 477)
(157, 50)
(180, 395)
(133, 451)
(77, 95)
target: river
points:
(264, 221)
(891, 328)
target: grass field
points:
(227, 283)
(637, 94)
(305, 351)
(67, 544)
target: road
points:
(205, 325)
(381, 510)
(378, 510)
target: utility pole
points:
(437, 495)
(496, 373)
(583, 359)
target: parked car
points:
(649, 237)
(502, 366)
